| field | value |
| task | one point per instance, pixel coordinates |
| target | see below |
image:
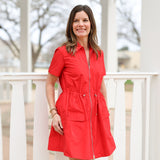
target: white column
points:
(109, 34)
(150, 56)
(1, 142)
(25, 46)
(40, 136)
(17, 123)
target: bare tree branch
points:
(127, 23)
(8, 17)
(58, 35)
(9, 46)
(10, 39)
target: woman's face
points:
(81, 25)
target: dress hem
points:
(96, 156)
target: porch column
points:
(150, 57)
(25, 46)
(109, 34)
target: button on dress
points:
(81, 106)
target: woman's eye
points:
(86, 20)
(75, 20)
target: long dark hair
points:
(71, 42)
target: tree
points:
(48, 24)
(128, 19)
(128, 22)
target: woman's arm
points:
(103, 90)
(50, 89)
(50, 93)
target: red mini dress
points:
(81, 106)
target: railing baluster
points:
(17, 123)
(1, 142)
(110, 86)
(103, 158)
(60, 156)
(7, 91)
(147, 133)
(136, 122)
(1, 91)
(120, 122)
(40, 136)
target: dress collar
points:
(79, 47)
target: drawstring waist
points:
(83, 93)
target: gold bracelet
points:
(53, 115)
(53, 108)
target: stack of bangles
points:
(51, 109)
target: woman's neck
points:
(84, 43)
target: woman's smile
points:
(81, 25)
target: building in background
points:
(128, 61)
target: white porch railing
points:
(139, 141)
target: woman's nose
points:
(80, 23)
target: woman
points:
(80, 118)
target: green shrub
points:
(129, 82)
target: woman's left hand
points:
(57, 124)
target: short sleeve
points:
(103, 64)
(57, 63)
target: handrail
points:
(36, 76)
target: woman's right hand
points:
(57, 124)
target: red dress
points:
(81, 105)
